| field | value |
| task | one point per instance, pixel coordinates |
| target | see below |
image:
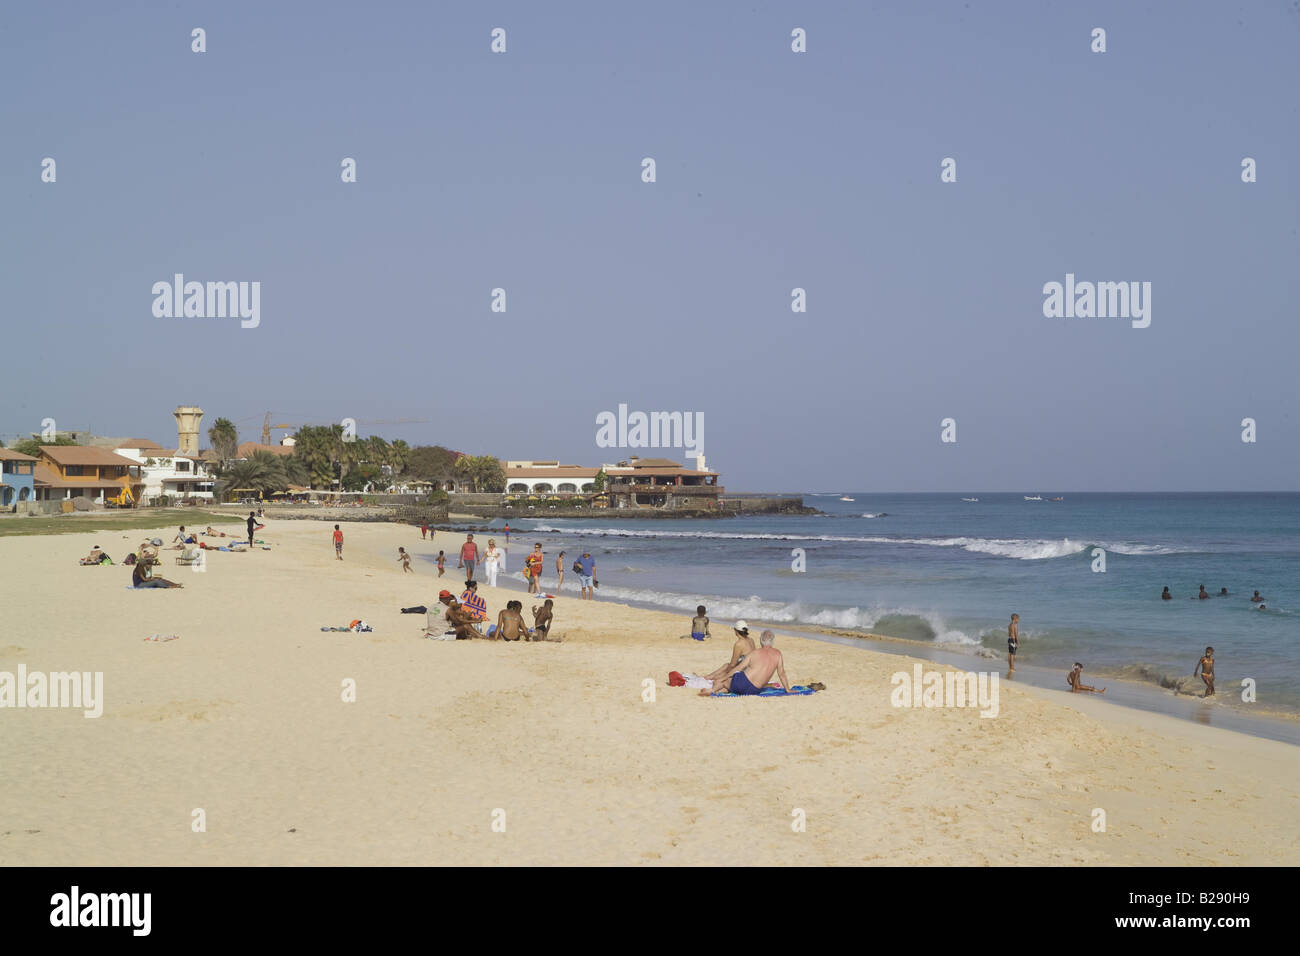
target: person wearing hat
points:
(743, 647)
(586, 575)
(456, 617)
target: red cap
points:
(444, 594)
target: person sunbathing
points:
(543, 618)
(457, 618)
(95, 556)
(510, 624)
(751, 675)
(214, 533)
(743, 647)
(142, 576)
(1075, 680)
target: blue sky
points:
(774, 170)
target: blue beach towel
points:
(769, 691)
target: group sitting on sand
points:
(463, 619)
(750, 667)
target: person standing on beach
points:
(587, 576)
(559, 570)
(424, 530)
(252, 526)
(405, 559)
(1013, 639)
(468, 556)
(533, 563)
(1206, 668)
(338, 542)
(492, 562)
(507, 534)
(442, 563)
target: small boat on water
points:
(845, 498)
(970, 499)
(1033, 497)
(1058, 499)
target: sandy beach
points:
(242, 718)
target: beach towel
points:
(160, 638)
(418, 609)
(774, 690)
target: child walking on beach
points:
(442, 563)
(1206, 667)
(405, 559)
(338, 542)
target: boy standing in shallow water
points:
(1206, 668)
(1013, 639)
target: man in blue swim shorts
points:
(751, 675)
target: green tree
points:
(32, 446)
(431, 463)
(599, 481)
(223, 438)
(483, 472)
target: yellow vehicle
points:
(122, 499)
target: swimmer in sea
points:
(1255, 598)
(1204, 595)
(1165, 595)
(1206, 668)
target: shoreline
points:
(242, 718)
(1269, 723)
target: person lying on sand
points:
(142, 575)
(542, 618)
(752, 675)
(457, 618)
(1206, 668)
(1075, 680)
(214, 533)
(94, 557)
(743, 647)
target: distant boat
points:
(970, 499)
(1058, 499)
(845, 498)
(1033, 497)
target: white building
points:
(167, 471)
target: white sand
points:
(243, 717)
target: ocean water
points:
(935, 569)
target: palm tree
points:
(223, 438)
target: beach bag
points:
(577, 567)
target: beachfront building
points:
(169, 472)
(64, 472)
(17, 479)
(548, 478)
(661, 483)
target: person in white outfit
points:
(492, 562)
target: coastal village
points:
(79, 471)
